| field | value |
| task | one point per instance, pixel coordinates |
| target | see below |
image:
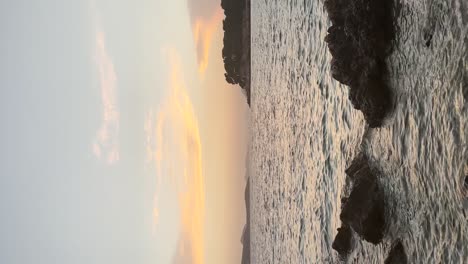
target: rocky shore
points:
(359, 40)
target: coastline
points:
(246, 59)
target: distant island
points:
(236, 41)
(245, 240)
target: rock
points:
(397, 255)
(358, 163)
(364, 209)
(427, 39)
(344, 241)
(245, 240)
(359, 41)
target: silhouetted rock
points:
(236, 43)
(359, 40)
(246, 233)
(429, 28)
(344, 241)
(358, 163)
(428, 39)
(246, 245)
(397, 255)
(364, 209)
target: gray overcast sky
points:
(59, 204)
(87, 88)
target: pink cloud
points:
(106, 144)
(205, 17)
(174, 145)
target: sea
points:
(305, 133)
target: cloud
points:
(155, 213)
(105, 145)
(203, 8)
(206, 16)
(183, 254)
(173, 144)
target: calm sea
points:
(305, 133)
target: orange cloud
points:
(105, 143)
(203, 30)
(174, 145)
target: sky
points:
(121, 141)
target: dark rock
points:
(358, 163)
(359, 40)
(236, 44)
(344, 241)
(429, 28)
(427, 39)
(245, 240)
(397, 255)
(364, 209)
(343, 201)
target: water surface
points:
(305, 133)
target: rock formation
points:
(364, 211)
(359, 40)
(344, 241)
(246, 233)
(397, 255)
(236, 43)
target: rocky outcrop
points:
(245, 240)
(397, 255)
(359, 162)
(344, 241)
(236, 44)
(364, 211)
(359, 40)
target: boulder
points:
(359, 41)
(344, 241)
(358, 163)
(397, 254)
(364, 209)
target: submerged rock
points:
(364, 209)
(359, 40)
(397, 255)
(344, 241)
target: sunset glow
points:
(203, 31)
(174, 145)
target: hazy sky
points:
(121, 142)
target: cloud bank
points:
(174, 145)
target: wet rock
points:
(364, 209)
(397, 255)
(358, 163)
(359, 40)
(428, 39)
(344, 241)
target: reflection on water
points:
(305, 133)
